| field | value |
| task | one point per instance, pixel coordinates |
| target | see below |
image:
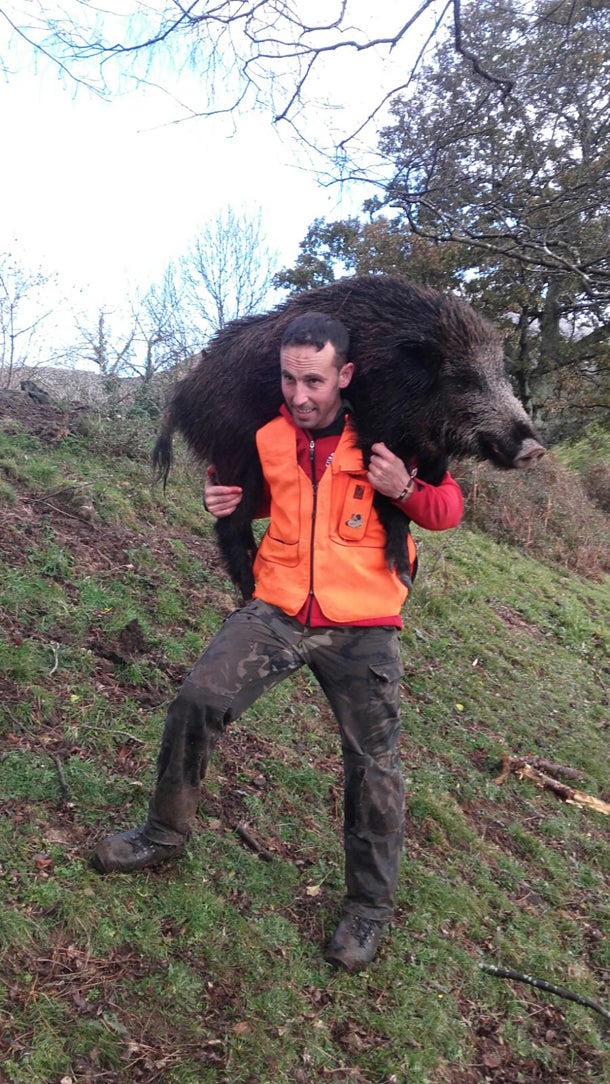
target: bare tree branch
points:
(541, 984)
(227, 272)
(250, 52)
(505, 85)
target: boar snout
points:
(530, 454)
(515, 452)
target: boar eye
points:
(466, 380)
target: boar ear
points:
(418, 363)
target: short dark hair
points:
(317, 329)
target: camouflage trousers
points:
(359, 670)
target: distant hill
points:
(84, 386)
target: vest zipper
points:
(312, 463)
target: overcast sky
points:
(95, 190)
(107, 192)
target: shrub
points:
(590, 457)
(547, 512)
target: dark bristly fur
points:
(429, 381)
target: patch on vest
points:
(357, 520)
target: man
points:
(324, 598)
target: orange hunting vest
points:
(328, 543)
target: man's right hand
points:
(218, 500)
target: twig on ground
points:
(244, 833)
(55, 649)
(60, 511)
(59, 492)
(523, 768)
(104, 730)
(81, 511)
(540, 984)
(62, 779)
(513, 764)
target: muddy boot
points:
(354, 942)
(129, 851)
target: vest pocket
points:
(278, 552)
(356, 511)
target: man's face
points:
(312, 384)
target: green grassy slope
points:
(210, 970)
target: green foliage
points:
(511, 168)
(327, 251)
(591, 449)
(590, 457)
(210, 968)
(497, 187)
(380, 245)
(554, 514)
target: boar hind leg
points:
(396, 526)
(237, 548)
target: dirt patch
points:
(47, 421)
(128, 644)
(91, 987)
(494, 1062)
(512, 620)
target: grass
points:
(210, 969)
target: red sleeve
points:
(435, 508)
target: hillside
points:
(209, 970)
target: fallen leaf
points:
(42, 861)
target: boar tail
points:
(162, 451)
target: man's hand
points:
(220, 500)
(388, 474)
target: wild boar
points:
(429, 382)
